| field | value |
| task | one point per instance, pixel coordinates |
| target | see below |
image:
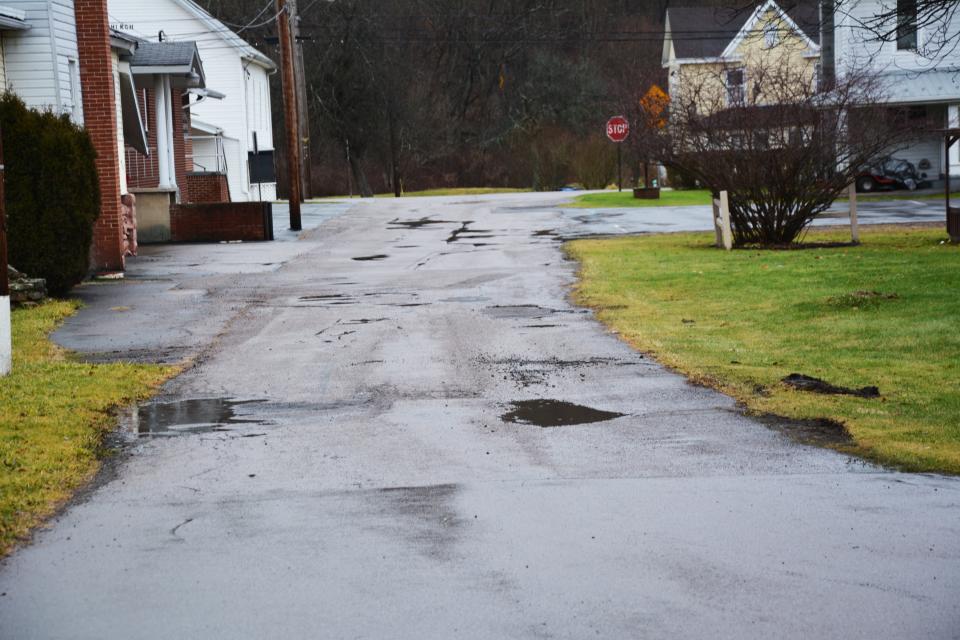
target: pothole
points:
(185, 417)
(555, 413)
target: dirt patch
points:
(821, 432)
(802, 382)
(861, 299)
(555, 413)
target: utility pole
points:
(303, 112)
(289, 111)
(6, 346)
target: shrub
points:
(595, 162)
(52, 194)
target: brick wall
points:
(222, 221)
(100, 121)
(206, 187)
(142, 171)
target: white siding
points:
(857, 47)
(3, 71)
(37, 61)
(246, 106)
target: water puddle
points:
(379, 256)
(186, 417)
(416, 224)
(555, 413)
(466, 233)
(518, 311)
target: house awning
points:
(180, 60)
(12, 19)
(923, 87)
(133, 130)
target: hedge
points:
(52, 194)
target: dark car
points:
(890, 173)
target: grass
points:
(668, 198)
(885, 313)
(54, 412)
(460, 191)
(617, 199)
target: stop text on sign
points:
(618, 128)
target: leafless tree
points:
(781, 148)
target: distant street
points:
(397, 426)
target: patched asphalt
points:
(396, 425)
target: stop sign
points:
(618, 128)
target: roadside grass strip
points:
(691, 197)
(54, 412)
(885, 314)
(617, 199)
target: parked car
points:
(890, 173)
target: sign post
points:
(618, 130)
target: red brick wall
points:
(216, 222)
(206, 187)
(142, 171)
(100, 120)
(179, 148)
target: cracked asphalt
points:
(342, 459)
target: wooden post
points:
(725, 230)
(716, 222)
(854, 226)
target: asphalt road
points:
(350, 456)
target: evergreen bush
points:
(52, 194)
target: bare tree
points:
(782, 149)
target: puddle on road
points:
(416, 224)
(555, 413)
(465, 299)
(186, 417)
(379, 256)
(519, 311)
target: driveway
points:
(615, 221)
(398, 427)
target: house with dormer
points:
(917, 63)
(722, 54)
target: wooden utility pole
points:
(303, 112)
(289, 112)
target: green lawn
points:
(669, 198)
(460, 191)
(54, 412)
(617, 199)
(886, 313)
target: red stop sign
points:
(618, 128)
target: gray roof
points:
(704, 32)
(165, 54)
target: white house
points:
(915, 72)
(39, 55)
(241, 119)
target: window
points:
(906, 25)
(770, 35)
(74, 74)
(736, 86)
